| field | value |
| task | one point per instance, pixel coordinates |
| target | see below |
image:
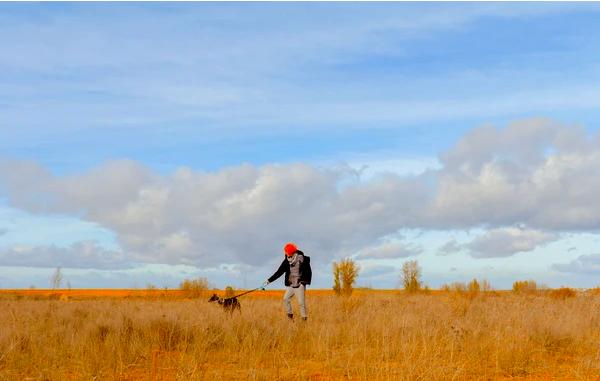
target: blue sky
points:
(122, 125)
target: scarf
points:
(293, 259)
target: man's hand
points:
(265, 283)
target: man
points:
(296, 268)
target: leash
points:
(244, 293)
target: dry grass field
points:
(369, 336)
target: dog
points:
(228, 304)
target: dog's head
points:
(213, 298)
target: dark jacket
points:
(284, 268)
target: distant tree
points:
(411, 276)
(345, 273)
(57, 278)
(337, 282)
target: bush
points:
(563, 293)
(473, 288)
(458, 287)
(229, 292)
(525, 287)
(594, 291)
(194, 288)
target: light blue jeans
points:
(287, 299)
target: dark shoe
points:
(291, 316)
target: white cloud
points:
(237, 214)
(504, 242)
(538, 174)
(535, 172)
(373, 270)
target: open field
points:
(374, 335)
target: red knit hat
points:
(289, 249)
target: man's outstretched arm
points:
(280, 271)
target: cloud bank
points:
(450, 247)
(80, 255)
(538, 174)
(390, 250)
(584, 264)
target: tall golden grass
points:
(368, 336)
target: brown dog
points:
(228, 304)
